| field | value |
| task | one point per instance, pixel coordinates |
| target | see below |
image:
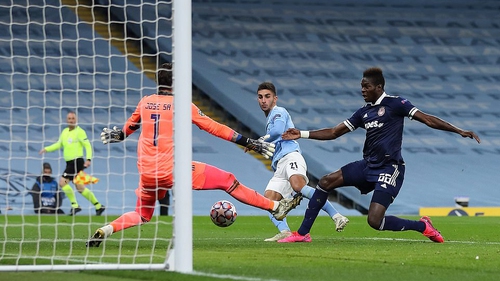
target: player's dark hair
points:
(164, 76)
(267, 86)
(375, 75)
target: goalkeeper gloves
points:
(112, 135)
(266, 149)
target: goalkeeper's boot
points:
(97, 238)
(286, 205)
(73, 211)
(99, 212)
(340, 222)
(279, 236)
(296, 237)
(431, 232)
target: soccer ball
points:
(223, 213)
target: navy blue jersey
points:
(383, 122)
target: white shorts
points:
(292, 164)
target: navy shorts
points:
(73, 167)
(386, 180)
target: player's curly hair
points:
(164, 76)
(375, 75)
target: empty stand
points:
(443, 56)
(81, 71)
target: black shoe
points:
(96, 239)
(100, 211)
(73, 211)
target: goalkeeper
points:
(73, 140)
(155, 159)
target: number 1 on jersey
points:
(156, 118)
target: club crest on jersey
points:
(381, 111)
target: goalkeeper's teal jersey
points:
(72, 142)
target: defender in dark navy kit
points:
(382, 168)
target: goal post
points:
(61, 56)
(182, 59)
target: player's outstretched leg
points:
(286, 205)
(339, 220)
(127, 220)
(99, 236)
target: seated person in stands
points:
(47, 196)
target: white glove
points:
(112, 135)
(263, 138)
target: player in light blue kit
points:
(288, 164)
(382, 168)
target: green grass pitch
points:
(238, 252)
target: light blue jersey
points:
(278, 121)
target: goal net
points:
(97, 59)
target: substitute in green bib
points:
(73, 140)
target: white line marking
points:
(376, 238)
(234, 277)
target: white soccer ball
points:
(223, 213)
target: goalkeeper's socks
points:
(308, 192)
(126, 220)
(91, 197)
(70, 193)
(108, 230)
(253, 198)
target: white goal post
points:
(55, 59)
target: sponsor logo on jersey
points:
(373, 124)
